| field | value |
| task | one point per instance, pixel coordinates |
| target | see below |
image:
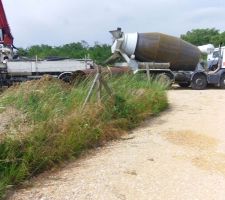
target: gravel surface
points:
(178, 155)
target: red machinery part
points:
(7, 39)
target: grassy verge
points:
(59, 130)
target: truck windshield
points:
(216, 54)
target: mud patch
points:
(211, 162)
(205, 156)
(191, 140)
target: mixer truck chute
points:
(145, 49)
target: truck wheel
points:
(199, 82)
(66, 77)
(165, 79)
(184, 85)
(222, 81)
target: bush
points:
(61, 130)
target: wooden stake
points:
(107, 88)
(99, 84)
(99, 81)
(90, 91)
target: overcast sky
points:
(57, 22)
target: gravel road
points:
(179, 155)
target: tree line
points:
(205, 36)
(79, 50)
(100, 52)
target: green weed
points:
(61, 130)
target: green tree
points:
(202, 36)
(218, 39)
(22, 52)
(41, 51)
(99, 52)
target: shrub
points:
(61, 130)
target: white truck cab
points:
(213, 58)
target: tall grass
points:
(61, 130)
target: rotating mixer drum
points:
(159, 47)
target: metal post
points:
(36, 68)
(148, 72)
(90, 91)
(99, 83)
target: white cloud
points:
(58, 22)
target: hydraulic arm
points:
(6, 38)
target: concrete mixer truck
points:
(172, 57)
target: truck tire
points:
(199, 82)
(184, 85)
(222, 81)
(66, 77)
(165, 79)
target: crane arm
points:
(6, 37)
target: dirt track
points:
(178, 155)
